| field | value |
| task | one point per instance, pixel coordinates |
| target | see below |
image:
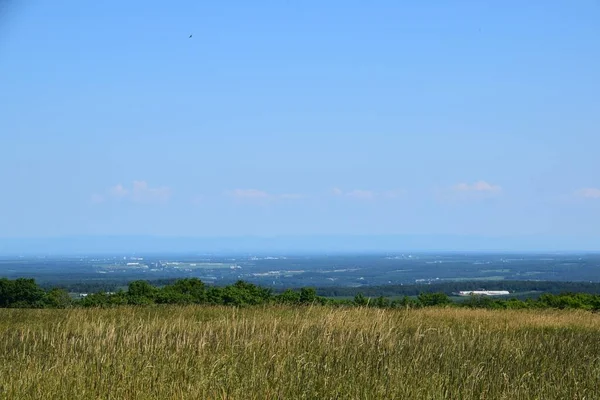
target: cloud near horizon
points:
(261, 195)
(479, 190)
(139, 192)
(361, 194)
(477, 187)
(589, 193)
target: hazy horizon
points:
(322, 244)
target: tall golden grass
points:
(275, 352)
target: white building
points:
(484, 293)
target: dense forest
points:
(521, 289)
(26, 293)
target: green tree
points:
(405, 302)
(193, 287)
(382, 302)
(361, 300)
(244, 293)
(6, 292)
(100, 299)
(21, 293)
(289, 297)
(58, 298)
(183, 291)
(141, 293)
(433, 299)
(481, 301)
(141, 289)
(308, 295)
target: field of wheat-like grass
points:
(272, 352)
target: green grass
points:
(274, 352)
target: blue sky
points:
(308, 118)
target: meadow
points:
(295, 352)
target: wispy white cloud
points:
(392, 194)
(139, 192)
(479, 186)
(261, 195)
(361, 194)
(479, 190)
(589, 193)
(291, 196)
(118, 191)
(249, 194)
(337, 192)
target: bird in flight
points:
(190, 37)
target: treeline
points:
(523, 288)
(100, 284)
(554, 287)
(26, 293)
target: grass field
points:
(305, 352)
